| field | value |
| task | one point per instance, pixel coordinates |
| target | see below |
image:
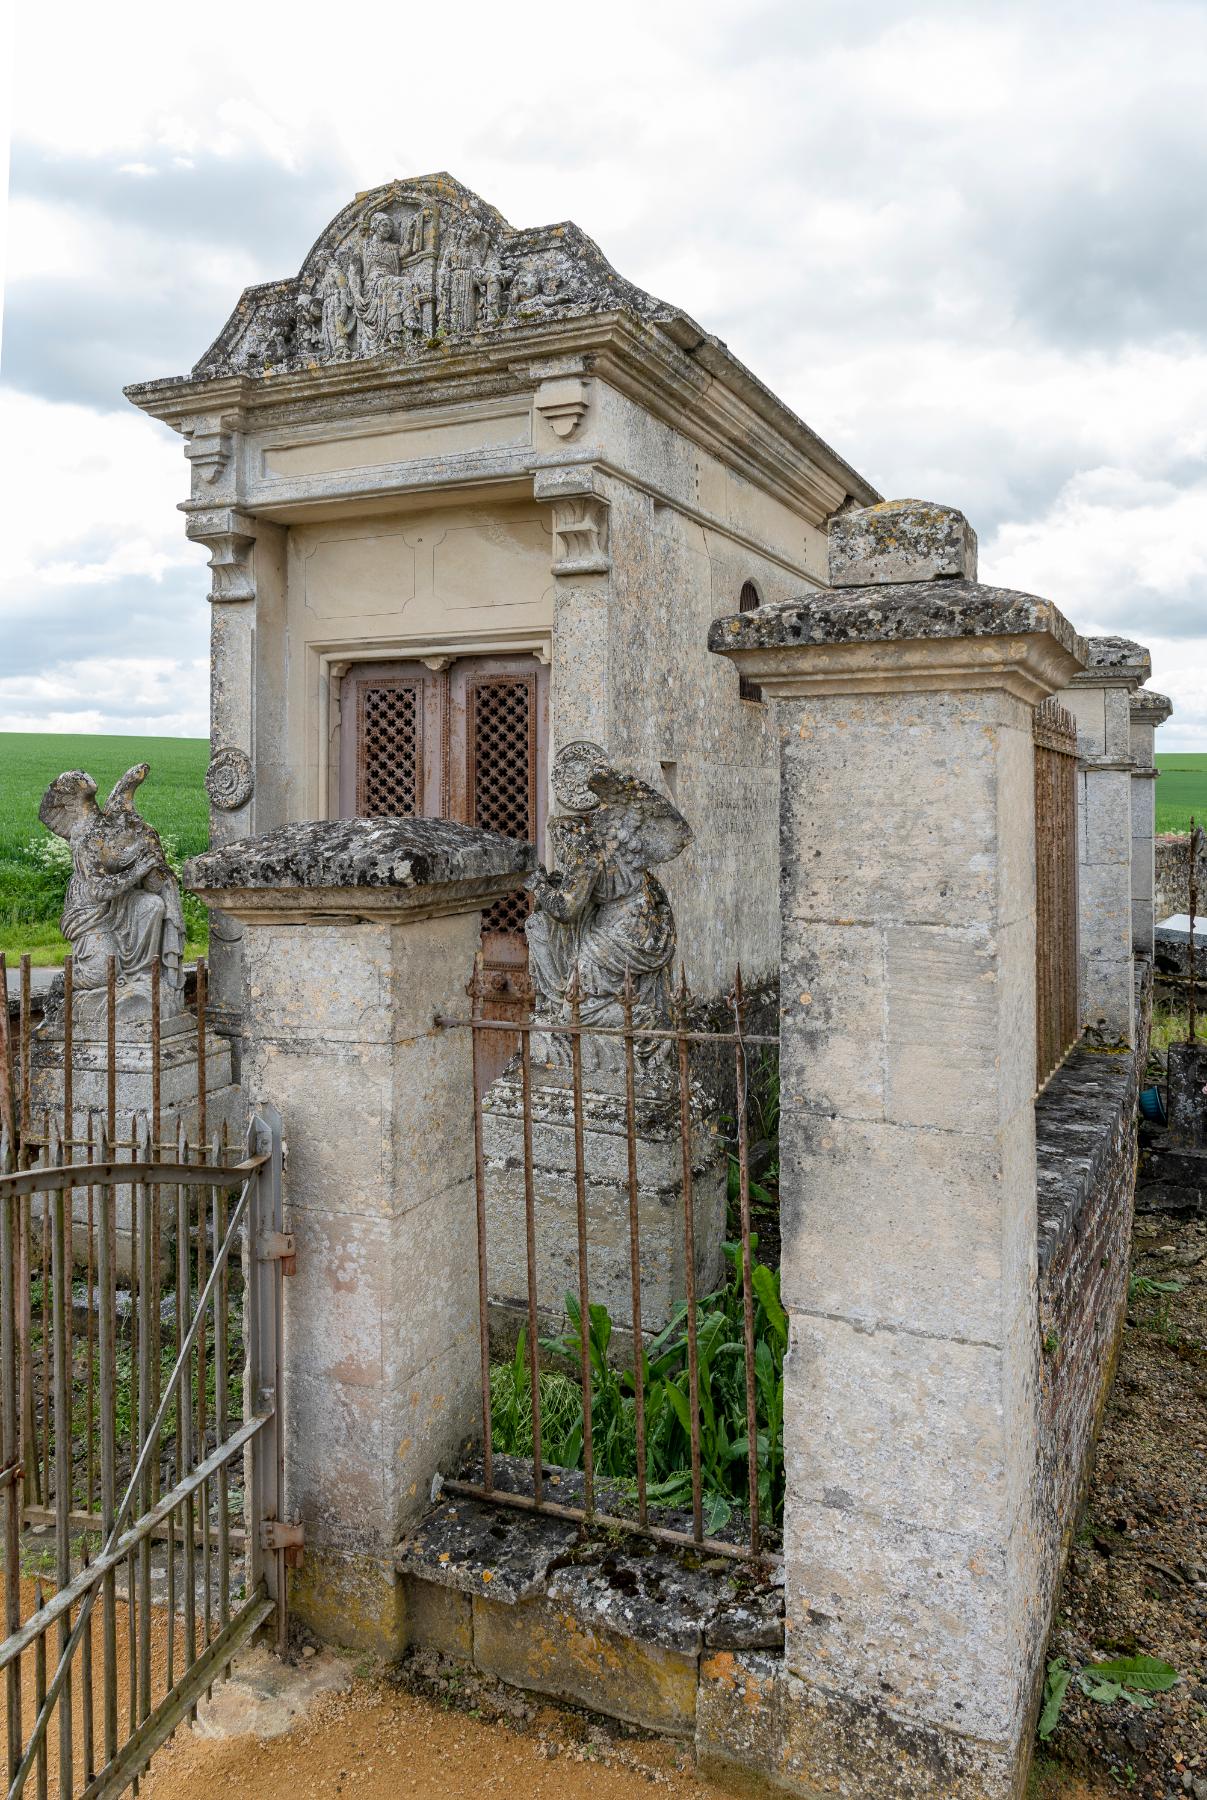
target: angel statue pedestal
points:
(123, 903)
(602, 932)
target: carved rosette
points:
(229, 779)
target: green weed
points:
(665, 1387)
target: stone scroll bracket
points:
(230, 536)
(581, 514)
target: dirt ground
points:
(378, 1741)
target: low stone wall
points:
(1086, 1147)
(1172, 882)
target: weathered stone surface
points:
(360, 853)
(1075, 1151)
(541, 1645)
(1150, 706)
(477, 1549)
(1115, 660)
(901, 540)
(1172, 945)
(265, 1697)
(894, 613)
(1188, 1096)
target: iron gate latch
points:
(277, 1246)
(278, 1534)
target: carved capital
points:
(229, 536)
(563, 404)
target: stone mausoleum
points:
(470, 495)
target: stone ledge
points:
(330, 871)
(1114, 662)
(1150, 707)
(896, 613)
(1077, 1121)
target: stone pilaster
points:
(918, 1590)
(1148, 711)
(356, 933)
(1098, 698)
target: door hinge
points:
(277, 1534)
(278, 1246)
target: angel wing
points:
(648, 816)
(121, 795)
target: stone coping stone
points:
(1176, 930)
(900, 540)
(682, 1599)
(1116, 658)
(1147, 704)
(361, 853)
(1075, 1119)
(895, 613)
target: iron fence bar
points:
(752, 1424)
(534, 1365)
(580, 1198)
(136, 1477)
(60, 1272)
(75, 1175)
(149, 1277)
(107, 1354)
(221, 1420)
(44, 1309)
(90, 1342)
(445, 1022)
(630, 1119)
(689, 1254)
(265, 1316)
(184, 1421)
(662, 1534)
(24, 1045)
(10, 1451)
(91, 1521)
(488, 1464)
(39, 1694)
(87, 1746)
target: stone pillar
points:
(1148, 710)
(1098, 698)
(356, 933)
(918, 1593)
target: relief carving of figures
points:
(603, 916)
(122, 900)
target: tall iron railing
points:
(679, 1040)
(1057, 1021)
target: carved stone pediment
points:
(411, 269)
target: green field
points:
(1182, 790)
(33, 873)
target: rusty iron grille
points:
(749, 601)
(677, 1043)
(128, 1327)
(389, 776)
(1057, 1025)
(503, 756)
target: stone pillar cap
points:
(1114, 662)
(349, 871)
(901, 540)
(1150, 706)
(910, 636)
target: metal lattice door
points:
(465, 742)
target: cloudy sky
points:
(966, 242)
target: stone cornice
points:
(913, 638)
(695, 386)
(1151, 708)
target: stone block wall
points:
(1086, 1148)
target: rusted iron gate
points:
(1057, 1024)
(680, 1039)
(110, 1432)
